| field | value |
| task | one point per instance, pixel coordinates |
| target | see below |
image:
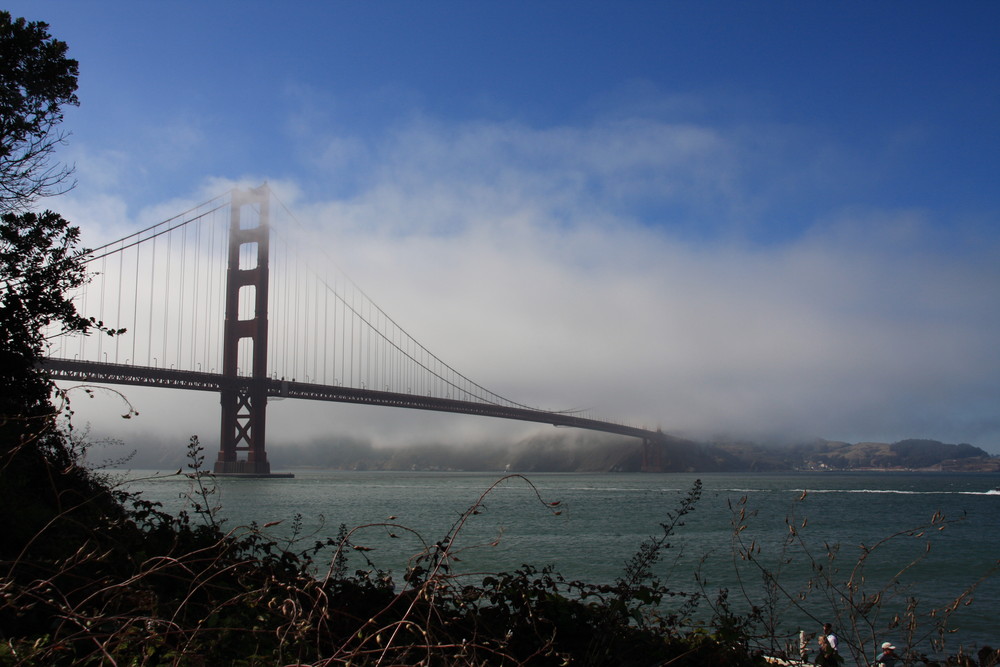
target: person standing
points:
(827, 657)
(888, 657)
(831, 637)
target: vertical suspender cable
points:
(314, 348)
(118, 314)
(368, 344)
(274, 296)
(326, 324)
(218, 313)
(86, 293)
(289, 371)
(135, 304)
(340, 334)
(272, 289)
(182, 302)
(338, 338)
(166, 299)
(197, 302)
(297, 326)
(152, 282)
(351, 347)
(210, 349)
(104, 280)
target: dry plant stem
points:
(448, 542)
(441, 554)
(346, 543)
(857, 612)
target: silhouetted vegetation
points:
(37, 80)
(865, 592)
(143, 587)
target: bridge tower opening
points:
(244, 390)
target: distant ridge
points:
(586, 452)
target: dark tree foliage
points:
(36, 81)
(38, 266)
(46, 496)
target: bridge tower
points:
(652, 455)
(244, 393)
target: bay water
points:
(587, 526)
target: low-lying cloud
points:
(623, 267)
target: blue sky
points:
(773, 218)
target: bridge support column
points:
(652, 455)
(244, 397)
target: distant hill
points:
(581, 451)
(905, 454)
(586, 452)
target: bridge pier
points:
(652, 455)
(244, 399)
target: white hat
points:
(888, 645)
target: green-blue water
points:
(604, 517)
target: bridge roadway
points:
(146, 376)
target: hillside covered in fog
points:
(584, 452)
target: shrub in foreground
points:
(147, 588)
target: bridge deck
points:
(105, 373)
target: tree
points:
(38, 260)
(36, 81)
(38, 266)
(40, 471)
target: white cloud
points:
(522, 258)
(852, 328)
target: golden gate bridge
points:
(220, 298)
